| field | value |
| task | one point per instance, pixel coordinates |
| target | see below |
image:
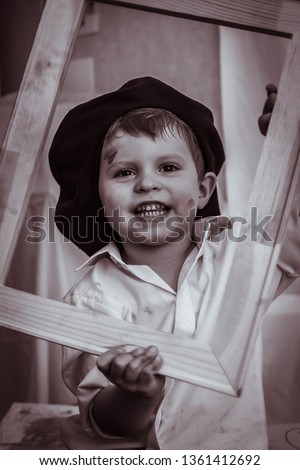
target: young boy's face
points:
(150, 188)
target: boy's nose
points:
(146, 183)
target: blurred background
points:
(225, 68)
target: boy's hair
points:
(154, 122)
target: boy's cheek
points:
(187, 207)
(191, 203)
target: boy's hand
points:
(264, 119)
(135, 371)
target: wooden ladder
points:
(213, 363)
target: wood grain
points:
(281, 17)
(54, 321)
(246, 281)
(276, 174)
(32, 115)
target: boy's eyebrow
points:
(109, 155)
(170, 156)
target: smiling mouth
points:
(151, 209)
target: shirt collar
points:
(110, 249)
(145, 272)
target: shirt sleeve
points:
(79, 370)
(80, 373)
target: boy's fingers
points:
(137, 352)
(271, 88)
(150, 369)
(119, 365)
(263, 123)
(104, 361)
(155, 365)
(264, 119)
(134, 368)
(151, 352)
(269, 103)
(150, 360)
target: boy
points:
(149, 157)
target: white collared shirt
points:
(190, 417)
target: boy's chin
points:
(155, 239)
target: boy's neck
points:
(166, 260)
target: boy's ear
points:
(206, 188)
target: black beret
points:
(74, 155)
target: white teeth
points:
(157, 207)
(151, 210)
(151, 213)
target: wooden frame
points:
(214, 363)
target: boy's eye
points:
(169, 167)
(124, 172)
